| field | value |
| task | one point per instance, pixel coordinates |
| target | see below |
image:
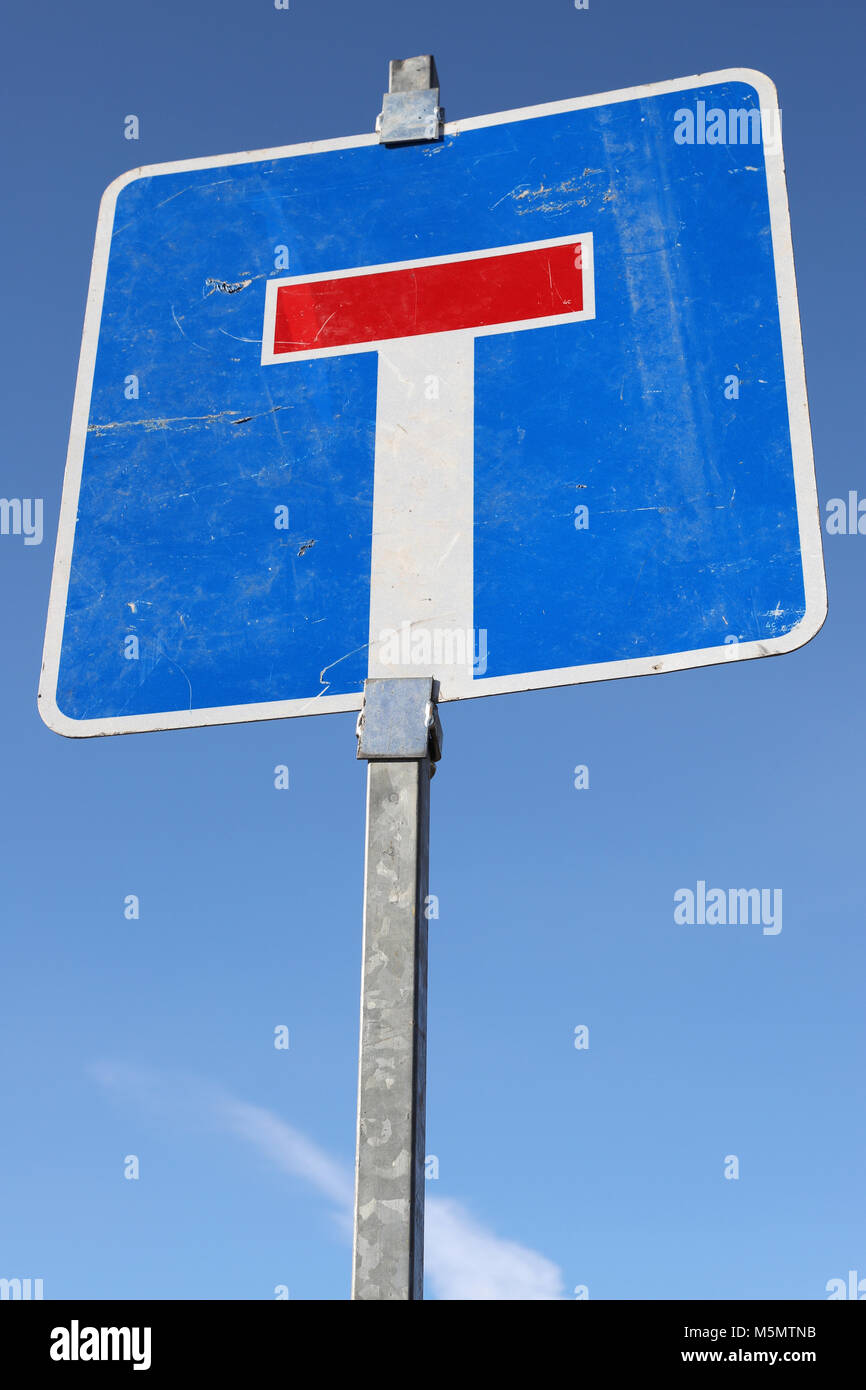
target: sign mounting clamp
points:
(410, 108)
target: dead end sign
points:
(521, 407)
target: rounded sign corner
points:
(761, 83)
(802, 633)
(54, 719)
(113, 190)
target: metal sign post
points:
(400, 737)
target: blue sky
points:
(153, 1037)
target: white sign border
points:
(798, 409)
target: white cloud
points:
(289, 1149)
(463, 1259)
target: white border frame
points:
(798, 411)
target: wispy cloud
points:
(289, 1149)
(463, 1258)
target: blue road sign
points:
(518, 408)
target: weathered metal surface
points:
(400, 719)
(413, 74)
(433, 485)
(410, 107)
(398, 733)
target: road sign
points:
(520, 407)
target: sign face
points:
(519, 408)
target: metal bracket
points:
(410, 108)
(399, 720)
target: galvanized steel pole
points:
(400, 736)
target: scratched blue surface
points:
(692, 531)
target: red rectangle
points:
(461, 294)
